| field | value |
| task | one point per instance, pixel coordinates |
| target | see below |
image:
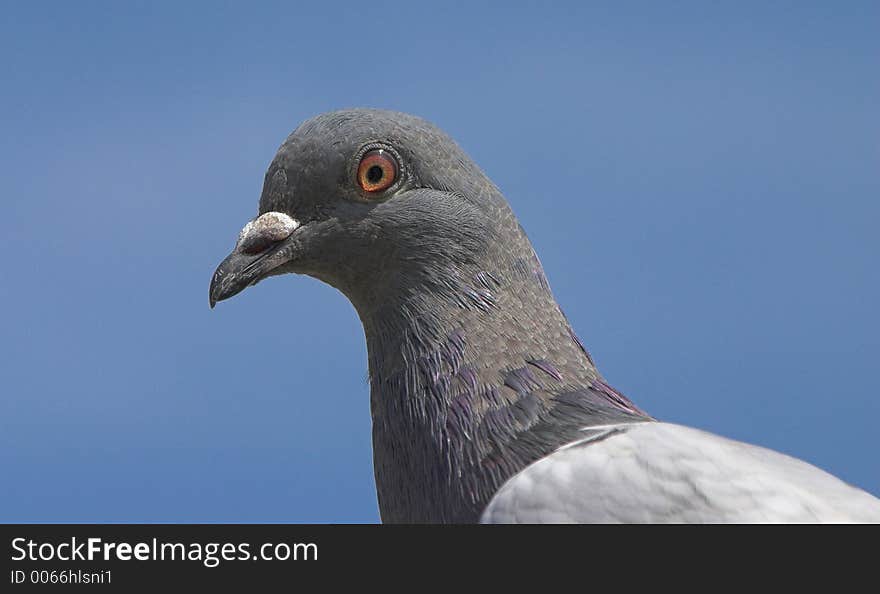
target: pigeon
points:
(485, 405)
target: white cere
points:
(268, 227)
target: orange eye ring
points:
(377, 171)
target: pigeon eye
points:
(377, 171)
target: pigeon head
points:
(375, 203)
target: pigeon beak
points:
(263, 245)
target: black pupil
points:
(375, 174)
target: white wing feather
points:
(661, 472)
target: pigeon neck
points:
(463, 378)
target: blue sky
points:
(700, 180)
